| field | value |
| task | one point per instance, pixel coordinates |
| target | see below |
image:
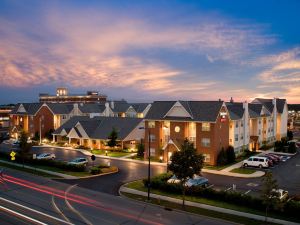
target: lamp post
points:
(40, 130)
(149, 167)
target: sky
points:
(150, 50)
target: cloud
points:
(92, 48)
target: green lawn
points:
(138, 185)
(32, 171)
(171, 205)
(116, 154)
(243, 171)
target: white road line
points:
(33, 210)
(247, 192)
(73, 209)
(34, 221)
(58, 210)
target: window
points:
(205, 126)
(236, 124)
(230, 140)
(259, 121)
(255, 159)
(206, 157)
(242, 124)
(236, 137)
(151, 124)
(205, 142)
(152, 137)
(152, 151)
(64, 117)
(242, 137)
(259, 132)
(177, 129)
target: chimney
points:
(245, 122)
(231, 100)
(76, 110)
(112, 104)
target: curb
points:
(99, 175)
(239, 175)
(176, 210)
(208, 207)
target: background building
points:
(62, 95)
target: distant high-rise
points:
(62, 95)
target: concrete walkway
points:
(208, 207)
(65, 176)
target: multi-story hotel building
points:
(169, 123)
(213, 125)
(62, 95)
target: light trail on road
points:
(74, 198)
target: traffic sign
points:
(12, 155)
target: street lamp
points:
(148, 197)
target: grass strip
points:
(243, 171)
(205, 212)
(27, 170)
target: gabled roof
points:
(254, 110)
(236, 110)
(294, 107)
(199, 110)
(268, 103)
(139, 107)
(91, 107)
(60, 108)
(120, 107)
(30, 108)
(100, 127)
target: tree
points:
(270, 199)
(290, 135)
(230, 154)
(292, 147)
(141, 150)
(113, 136)
(48, 134)
(185, 163)
(25, 147)
(222, 158)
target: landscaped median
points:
(56, 169)
(233, 206)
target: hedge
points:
(291, 208)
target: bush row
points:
(291, 208)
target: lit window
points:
(152, 151)
(151, 124)
(152, 137)
(205, 126)
(205, 142)
(177, 129)
(206, 157)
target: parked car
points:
(285, 158)
(78, 161)
(196, 181)
(16, 143)
(46, 156)
(273, 158)
(257, 161)
(280, 194)
(276, 156)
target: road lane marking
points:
(72, 208)
(34, 221)
(35, 211)
(252, 184)
(58, 210)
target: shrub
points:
(292, 147)
(230, 154)
(222, 158)
(95, 170)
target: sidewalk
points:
(224, 172)
(208, 207)
(65, 176)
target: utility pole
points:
(149, 164)
(40, 130)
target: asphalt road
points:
(52, 202)
(286, 173)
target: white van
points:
(256, 161)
